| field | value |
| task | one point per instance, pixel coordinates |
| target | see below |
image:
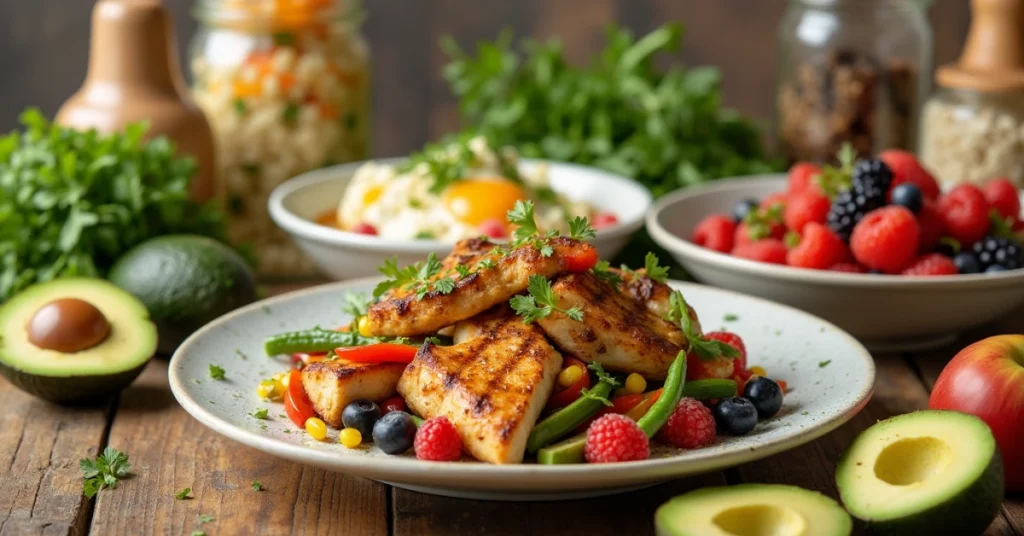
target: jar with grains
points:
(972, 129)
(284, 84)
(849, 71)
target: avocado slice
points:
(752, 510)
(928, 472)
(112, 360)
(185, 281)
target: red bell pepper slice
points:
(296, 404)
(384, 352)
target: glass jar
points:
(285, 86)
(850, 71)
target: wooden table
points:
(40, 489)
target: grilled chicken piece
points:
(400, 314)
(492, 386)
(617, 329)
(332, 385)
(653, 294)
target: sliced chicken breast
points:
(332, 385)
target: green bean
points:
(569, 451)
(708, 389)
(655, 418)
(312, 340)
(564, 420)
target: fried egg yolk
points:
(474, 201)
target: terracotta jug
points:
(134, 75)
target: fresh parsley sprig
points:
(417, 277)
(580, 229)
(541, 302)
(103, 472)
(704, 348)
(653, 270)
(602, 377)
(216, 372)
(602, 270)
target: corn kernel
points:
(570, 375)
(364, 327)
(758, 371)
(269, 390)
(350, 437)
(285, 378)
(316, 428)
(635, 384)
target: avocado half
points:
(928, 472)
(752, 509)
(100, 370)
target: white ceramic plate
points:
(788, 343)
(295, 204)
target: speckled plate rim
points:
(684, 247)
(310, 230)
(484, 476)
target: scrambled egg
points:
(400, 204)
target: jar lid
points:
(992, 59)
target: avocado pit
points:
(68, 325)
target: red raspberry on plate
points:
(715, 232)
(691, 426)
(437, 440)
(769, 250)
(932, 225)
(806, 207)
(801, 176)
(886, 239)
(931, 264)
(1003, 196)
(818, 249)
(848, 267)
(616, 438)
(964, 210)
(906, 168)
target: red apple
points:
(986, 379)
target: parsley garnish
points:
(541, 302)
(602, 377)
(580, 229)
(602, 270)
(522, 217)
(704, 348)
(653, 270)
(823, 364)
(216, 372)
(290, 114)
(197, 533)
(463, 271)
(415, 278)
(256, 485)
(485, 264)
(730, 317)
(260, 413)
(445, 162)
(104, 471)
(183, 494)
(355, 305)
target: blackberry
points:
(851, 205)
(872, 171)
(998, 251)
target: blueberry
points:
(394, 432)
(765, 395)
(967, 263)
(361, 415)
(909, 196)
(735, 416)
(995, 268)
(741, 209)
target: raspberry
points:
(438, 440)
(691, 426)
(769, 250)
(616, 438)
(848, 267)
(806, 207)
(964, 210)
(715, 232)
(906, 169)
(931, 264)
(778, 198)
(933, 228)
(801, 176)
(738, 363)
(818, 249)
(886, 239)
(1002, 195)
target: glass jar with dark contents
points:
(850, 71)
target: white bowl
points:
(884, 312)
(295, 204)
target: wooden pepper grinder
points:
(993, 56)
(134, 75)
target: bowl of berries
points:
(873, 245)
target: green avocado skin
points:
(967, 514)
(185, 282)
(70, 389)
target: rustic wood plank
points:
(170, 451)
(632, 513)
(40, 446)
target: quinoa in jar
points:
(284, 84)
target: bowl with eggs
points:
(351, 218)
